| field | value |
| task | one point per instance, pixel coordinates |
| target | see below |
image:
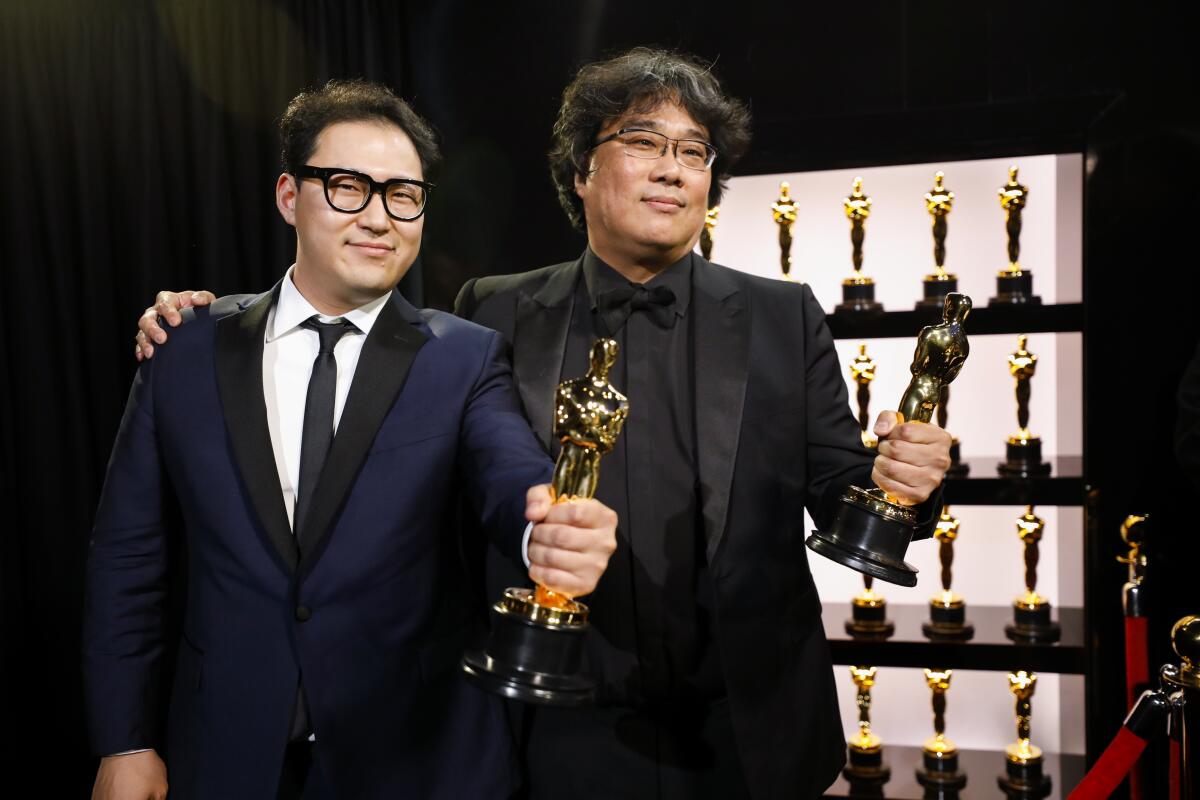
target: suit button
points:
(303, 613)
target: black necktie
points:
(615, 305)
(318, 414)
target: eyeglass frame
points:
(708, 146)
(376, 187)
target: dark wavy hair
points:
(357, 100)
(640, 80)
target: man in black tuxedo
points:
(715, 677)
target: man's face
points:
(649, 211)
(346, 260)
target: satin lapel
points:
(383, 366)
(239, 381)
(539, 342)
(722, 359)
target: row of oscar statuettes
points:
(1014, 284)
(866, 768)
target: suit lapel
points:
(240, 384)
(539, 342)
(383, 366)
(722, 360)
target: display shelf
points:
(990, 649)
(984, 486)
(981, 767)
(982, 321)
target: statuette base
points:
(858, 297)
(1023, 458)
(869, 534)
(1015, 289)
(869, 621)
(533, 654)
(958, 468)
(1024, 781)
(1033, 625)
(947, 623)
(936, 287)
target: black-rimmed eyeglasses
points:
(641, 143)
(350, 192)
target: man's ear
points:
(581, 180)
(286, 194)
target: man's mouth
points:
(372, 248)
(663, 203)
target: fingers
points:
(537, 502)
(586, 513)
(167, 305)
(194, 298)
(908, 483)
(934, 454)
(569, 551)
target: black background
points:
(139, 153)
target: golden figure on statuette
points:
(939, 754)
(871, 530)
(534, 652)
(1023, 760)
(783, 211)
(865, 765)
(862, 370)
(706, 233)
(1023, 451)
(1133, 533)
(1031, 612)
(858, 291)
(947, 609)
(938, 202)
(1014, 285)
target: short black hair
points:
(357, 100)
(640, 80)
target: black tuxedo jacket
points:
(775, 435)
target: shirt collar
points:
(292, 309)
(600, 277)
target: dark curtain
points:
(139, 153)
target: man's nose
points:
(375, 216)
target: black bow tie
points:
(615, 305)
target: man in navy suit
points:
(315, 440)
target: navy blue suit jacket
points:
(373, 605)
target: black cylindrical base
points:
(958, 468)
(941, 775)
(1024, 781)
(867, 542)
(1015, 290)
(869, 622)
(531, 661)
(947, 624)
(866, 768)
(1023, 459)
(935, 292)
(858, 298)
(1033, 625)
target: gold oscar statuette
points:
(871, 530)
(535, 650)
(939, 754)
(1031, 612)
(1023, 450)
(862, 370)
(1014, 285)
(1023, 760)
(858, 291)
(865, 765)
(947, 610)
(938, 202)
(706, 233)
(783, 211)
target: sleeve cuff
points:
(525, 544)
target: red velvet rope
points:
(1112, 767)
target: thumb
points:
(884, 423)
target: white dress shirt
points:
(288, 354)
